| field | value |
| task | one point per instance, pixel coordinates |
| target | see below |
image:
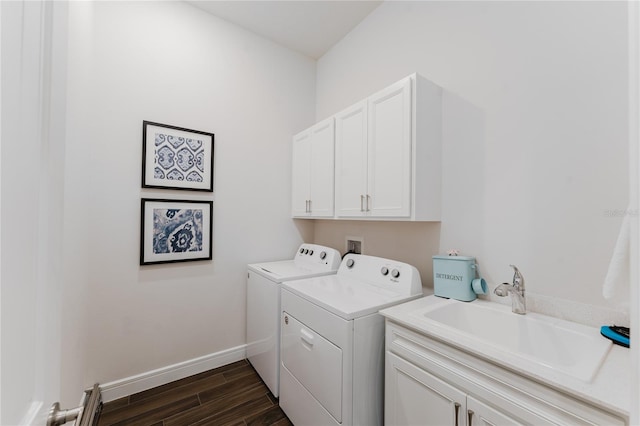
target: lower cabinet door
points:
(415, 397)
(481, 414)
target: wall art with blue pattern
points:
(175, 231)
(176, 158)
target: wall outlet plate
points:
(354, 245)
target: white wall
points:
(33, 112)
(172, 63)
(20, 262)
(550, 81)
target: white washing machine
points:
(263, 304)
(332, 341)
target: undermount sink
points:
(531, 342)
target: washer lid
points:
(346, 297)
(287, 270)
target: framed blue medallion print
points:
(175, 231)
(176, 158)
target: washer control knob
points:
(310, 252)
(384, 270)
(323, 254)
(306, 251)
(395, 273)
(301, 250)
(350, 263)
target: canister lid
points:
(461, 258)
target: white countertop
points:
(610, 388)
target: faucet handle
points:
(518, 279)
(502, 290)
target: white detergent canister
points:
(454, 277)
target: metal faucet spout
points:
(518, 279)
(516, 290)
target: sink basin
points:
(532, 342)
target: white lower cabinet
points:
(479, 413)
(429, 383)
(415, 397)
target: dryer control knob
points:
(310, 252)
(323, 254)
(384, 270)
(301, 250)
(395, 273)
(350, 263)
(306, 251)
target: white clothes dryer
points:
(332, 343)
(263, 304)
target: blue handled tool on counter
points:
(618, 335)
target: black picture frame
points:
(175, 231)
(176, 158)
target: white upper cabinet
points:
(301, 160)
(313, 171)
(387, 158)
(388, 154)
(351, 160)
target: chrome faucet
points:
(518, 303)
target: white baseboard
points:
(140, 382)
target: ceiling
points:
(306, 26)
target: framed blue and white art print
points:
(175, 231)
(176, 158)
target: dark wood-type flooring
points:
(230, 395)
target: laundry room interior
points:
(536, 167)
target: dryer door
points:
(315, 362)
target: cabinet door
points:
(322, 172)
(415, 397)
(351, 161)
(300, 179)
(389, 159)
(481, 414)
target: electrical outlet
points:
(354, 245)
